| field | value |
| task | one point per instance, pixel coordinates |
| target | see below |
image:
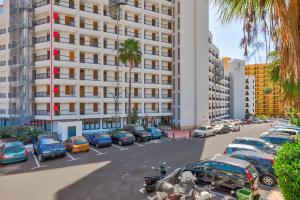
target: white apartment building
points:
(80, 83)
(250, 94)
(218, 85)
(191, 63)
(236, 70)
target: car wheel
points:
(97, 146)
(40, 158)
(120, 143)
(268, 180)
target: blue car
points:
(13, 152)
(47, 146)
(155, 132)
(277, 138)
(99, 140)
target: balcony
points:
(41, 21)
(112, 111)
(42, 94)
(166, 82)
(133, 19)
(111, 79)
(151, 52)
(154, 23)
(166, 96)
(149, 110)
(110, 46)
(42, 39)
(2, 95)
(89, 112)
(133, 80)
(90, 60)
(166, 68)
(90, 95)
(66, 23)
(152, 8)
(134, 95)
(151, 81)
(64, 58)
(2, 111)
(151, 37)
(150, 66)
(134, 4)
(41, 3)
(84, 77)
(110, 62)
(111, 95)
(66, 4)
(133, 34)
(166, 54)
(42, 57)
(42, 113)
(166, 110)
(112, 30)
(94, 27)
(94, 9)
(151, 96)
(2, 79)
(166, 11)
(64, 40)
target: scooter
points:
(150, 181)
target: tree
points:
(130, 53)
(267, 90)
(279, 21)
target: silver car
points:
(204, 131)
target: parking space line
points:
(71, 157)
(142, 190)
(98, 152)
(151, 198)
(139, 144)
(121, 148)
(37, 162)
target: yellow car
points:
(77, 144)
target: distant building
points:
(236, 70)
(266, 102)
(250, 94)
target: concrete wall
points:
(62, 128)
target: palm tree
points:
(279, 21)
(130, 53)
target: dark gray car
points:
(139, 132)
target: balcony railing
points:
(166, 68)
(111, 79)
(89, 112)
(133, 80)
(42, 94)
(2, 63)
(2, 95)
(42, 57)
(65, 4)
(110, 46)
(64, 40)
(151, 52)
(90, 26)
(149, 110)
(150, 66)
(64, 112)
(90, 78)
(112, 30)
(151, 23)
(90, 60)
(42, 112)
(133, 3)
(110, 62)
(166, 96)
(151, 8)
(151, 96)
(64, 58)
(2, 111)
(2, 79)
(133, 34)
(90, 95)
(151, 81)
(166, 82)
(90, 9)
(41, 21)
(41, 3)
(112, 111)
(133, 95)
(133, 19)
(166, 54)
(166, 11)
(166, 110)
(42, 39)
(151, 37)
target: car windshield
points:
(80, 141)
(48, 141)
(202, 128)
(14, 149)
(121, 135)
(139, 128)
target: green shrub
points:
(296, 121)
(22, 133)
(287, 168)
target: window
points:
(71, 107)
(95, 91)
(108, 123)
(95, 107)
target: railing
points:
(42, 39)
(2, 79)
(166, 26)
(166, 96)
(90, 78)
(42, 112)
(110, 95)
(41, 3)
(64, 58)
(150, 66)
(112, 30)
(133, 34)
(110, 46)
(151, 23)
(66, 23)
(153, 9)
(150, 52)
(90, 60)
(64, 4)
(90, 26)
(64, 40)
(89, 112)
(91, 44)
(133, 80)
(150, 37)
(133, 19)
(166, 11)
(42, 94)
(2, 47)
(111, 79)
(166, 110)
(42, 57)
(41, 21)
(64, 112)
(2, 95)
(110, 62)
(149, 110)
(166, 40)
(2, 31)
(91, 95)
(151, 81)
(134, 95)
(166, 68)
(112, 111)
(150, 96)
(89, 9)
(166, 54)
(134, 4)
(2, 111)
(166, 82)
(2, 63)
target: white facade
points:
(236, 70)
(190, 66)
(84, 72)
(250, 94)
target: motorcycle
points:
(150, 181)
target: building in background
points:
(250, 95)
(70, 76)
(236, 70)
(267, 97)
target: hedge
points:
(22, 133)
(287, 168)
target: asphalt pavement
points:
(114, 173)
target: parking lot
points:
(110, 173)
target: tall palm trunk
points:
(129, 93)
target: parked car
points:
(12, 152)
(234, 126)
(222, 128)
(263, 162)
(155, 132)
(77, 144)
(257, 121)
(204, 131)
(239, 147)
(99, 140)
(284, 130)
(277, 138)
(258, 143)
(122, 138)
(47, 146)
(226, 172)
(139, 132)
(7, 140)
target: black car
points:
(258, 143)
(277, 138)
(139, 132)
(263, 162)
(226, 172)
(122, 138)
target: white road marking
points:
(37, 162)
(71, 157)
(121, 148)
(142, 190)
(124, 175)
(139, 144)
(151, 198)
(98, 152)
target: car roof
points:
(226, 159)
(285, 129)
(77, 137)
(276, 134)
(124, 132)
(245, 146)
(13, 144)
(249, 138)
(46, 136)
(254, 154)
